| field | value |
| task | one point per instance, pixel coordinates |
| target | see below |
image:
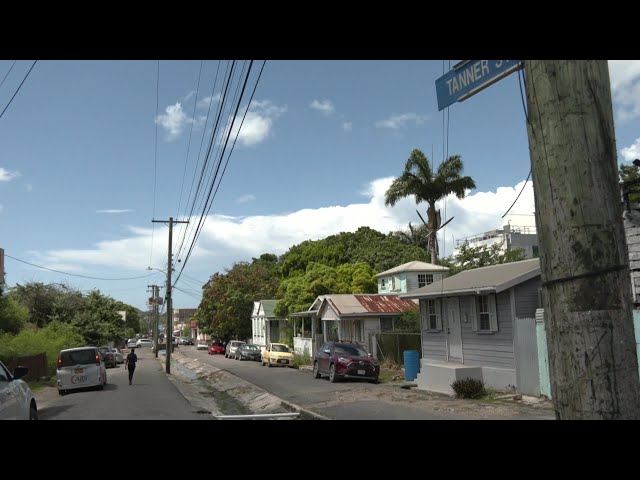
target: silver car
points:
(80, 368)
(16, 399)
(232, 346)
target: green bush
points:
(469, 388)
(304, 359)
(50, 340)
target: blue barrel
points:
(411, 364)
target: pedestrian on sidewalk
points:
(130, 363)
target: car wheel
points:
(61, 392)
(316, 370)
(374, 381)
(333, 378)
(240, 357)
(33, 413)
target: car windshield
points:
(236, 344)
(354, 350)
(250, 347)
(78, 357)
(280, 348)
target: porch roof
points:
(414, 266)
(306, 313)
(491, 279)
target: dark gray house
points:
(480, 324)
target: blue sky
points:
(320, 145)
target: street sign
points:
(469, 77)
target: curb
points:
(260, 398)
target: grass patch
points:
(37, 385)
(387, 375)
(304, 359)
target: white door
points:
(454, 335)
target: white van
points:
(80, 368)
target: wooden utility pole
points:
(583, 255)
(168, 334)
(155, 290)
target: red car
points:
(216, 348)
(345, 360)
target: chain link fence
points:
(390, 347)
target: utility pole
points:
(168, 334)
(155, 289)
(583, 255)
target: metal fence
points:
(37, 365)
(390, 346)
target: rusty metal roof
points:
(368, 304)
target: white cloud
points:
(115, 210)
(631, 152)
(348, 126)
(173, 120)
(246, 198)
(7, 176)
(625, 86)
(29, 187)
(324, 106)
(258, 123)
(227, 239)
(204, 102)
(397, 121)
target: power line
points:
(19, 87)
(155, 159)
(8, 72)
(75, 274)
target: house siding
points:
(490, 350)
(527, 298)
(434, 344)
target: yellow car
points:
(277, 354)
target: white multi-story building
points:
(524, 237)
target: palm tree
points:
(418, 180)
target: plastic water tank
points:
(411, 364)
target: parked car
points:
(202, 345)
(80, 368)
(231, 348)
(16, 398)
(277, 354)
(108, 357)
(248, 351)
(118, 354)
(345, 360)
(132, 343)
(144, 342)
(186, 341)
(216, 348)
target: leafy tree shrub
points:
(469, 388)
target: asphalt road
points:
(339, 401)
(151, 397)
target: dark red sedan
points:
(216, 348)
(345, 360)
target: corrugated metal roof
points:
(493, 278)
(354, 304)
(414, 266)
(268, 306)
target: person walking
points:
(130, 363)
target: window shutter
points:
(474, 315)
(424, 314)
(493, 317)
(439, 314)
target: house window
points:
(536, 251)
(386, 324)
(430, 313)
(425, 279)
(382, 284)
(485, 319)
(393, 283)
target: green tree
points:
(227, 299)
(483, 256)
(100, 321)
(409, 321)
(13, 316)
(418, 180)
(39, 299)
(628, 173)
(414, 235)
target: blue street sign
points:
(469, 77)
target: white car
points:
(118, 354)
(16, 399)
(202, 345)
(80, 368)
(144, 342)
